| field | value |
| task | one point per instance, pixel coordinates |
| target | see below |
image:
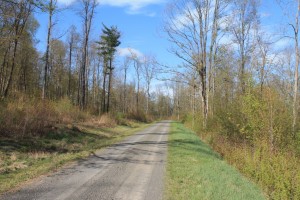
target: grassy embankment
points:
(38, 137)
(194, 171)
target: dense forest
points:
(79, 70)
(235, 87)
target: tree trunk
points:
(104, 87)
(99, 102)
(148, 98)
(83, 74)
(89, 7)
(94, 84)
(125, 95)
(138, 85)
(212, 52)
(109, 84)
(44, 91)
(3, 72)
(295, 103)
(70, 67)
(194, 104)
(79, 87)
(262, 75)
(204, 97)
(242, 73)
(12, 69)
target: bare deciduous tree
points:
(73, 40)
(50, 8)
(149, 71)
(240, 25)
(126, 67)
(188, 26)
(87, 15)
(137, 66)
(296, 73)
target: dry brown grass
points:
(105, 120)
(139, 116)
(40, 135)
(24, 158)
(24, 116)
(38, 155)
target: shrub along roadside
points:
(23, 116)
(194, 171)
(31, 156)
(253, 133)
(278, 173)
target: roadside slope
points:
(194, 171)
(23, 159)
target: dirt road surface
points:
(132, 169)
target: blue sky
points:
(139, 21)
(275, 18)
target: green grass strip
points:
(194, 171)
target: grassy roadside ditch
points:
(26, 158)
(194, 171)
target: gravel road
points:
(132, 169)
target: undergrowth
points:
(253, 133)
(277, 172)
(23, 116)
(37, 136)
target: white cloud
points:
(265, 14)
(66, 2)
(129, 52)
(134, 5)
(282, 43)
(181, 20)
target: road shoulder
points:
(194, 171)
